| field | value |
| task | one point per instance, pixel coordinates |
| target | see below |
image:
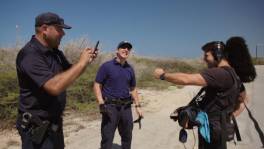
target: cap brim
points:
(65, 26)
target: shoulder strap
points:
(228, 92)
(197, 96)
(229, 108)
(235, 78)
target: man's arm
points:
(102, 107)
(98, 93)
(135, 97)
(181, 78)
(243, 99)
(61, 81)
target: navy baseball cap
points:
(50, 18)
(125, 44)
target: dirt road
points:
(158, 131)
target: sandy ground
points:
(158, 131)
(157, 105)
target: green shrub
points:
(8, 98)
(80, 95)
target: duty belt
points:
(27, 120)
(119, 101)
(35, 127)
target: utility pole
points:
(17, 36)
(256, 51)
(260, 50)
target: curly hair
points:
(238, 56)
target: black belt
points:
(42, 116)
(35, 127)
(118, 101)
(27, 117)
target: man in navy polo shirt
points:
(44, 74)
(115, 90)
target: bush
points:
(144, 68)
(258, 61)
(80, 95)
(8, 98)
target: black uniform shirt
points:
(37, 64)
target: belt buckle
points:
(119, 101)
(116, 101)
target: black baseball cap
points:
(50, 18)
(125, 44)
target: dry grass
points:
(80, 94)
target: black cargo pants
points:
(121, 118)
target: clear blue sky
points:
(167, 28)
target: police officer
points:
(44, 74)
(115, 89)
(220, 77)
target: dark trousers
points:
(121, 118)
(53, 140)
(215, 142)
(217, 136)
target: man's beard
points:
(212, 64)
(52, 43)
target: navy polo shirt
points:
(37, 64)
(116, 79)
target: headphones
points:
(218, 50)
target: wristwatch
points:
(162, 76)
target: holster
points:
(34, 126)
(103, 109)
(39, 132)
